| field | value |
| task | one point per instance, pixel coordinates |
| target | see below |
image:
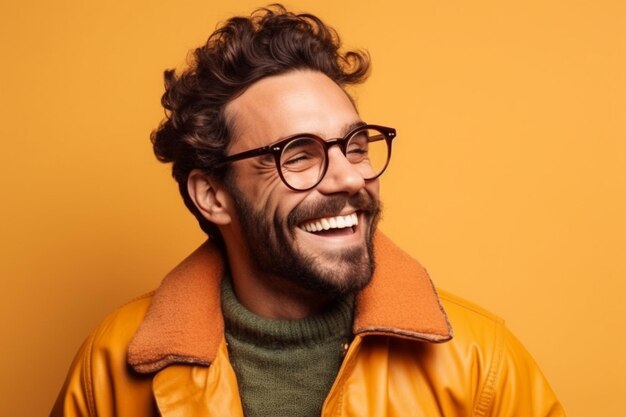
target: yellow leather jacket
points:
(165, 353)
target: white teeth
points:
(341, 223)
(337, 222)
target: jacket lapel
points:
(184, 323)
(401, 300)
(194, 391)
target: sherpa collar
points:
(184, 323)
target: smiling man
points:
(292, 251)
(295, 306)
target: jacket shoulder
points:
(116, 330)
(124, 320)
(511, 383)
(464, 312)
(99, 382)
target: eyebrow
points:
(346, 128)
(353, 125)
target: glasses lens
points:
(367, 149)
(302, 163)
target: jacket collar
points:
(184, 323)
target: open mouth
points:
(332, 226)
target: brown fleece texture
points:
(184, 323)
(400, 299)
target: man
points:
(295, 306)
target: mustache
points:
(332, 206)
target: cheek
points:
(373, 188)
(270, 198)
(258, 183)
(280, 205)
(266, 193)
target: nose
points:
(341, 176)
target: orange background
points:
(508, 179)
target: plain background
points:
(508, 179)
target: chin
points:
(341, 274)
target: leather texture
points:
(393, 368)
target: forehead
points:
(283, 105)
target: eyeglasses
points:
(302, 159)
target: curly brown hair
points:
(271, 41)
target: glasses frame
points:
(276, 149)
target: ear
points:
(210, 197)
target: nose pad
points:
(341, 176)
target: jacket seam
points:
(147, 295)
(87, 378)
(347, 371)
(474, 309)
(485, 398)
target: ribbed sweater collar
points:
(244, 325)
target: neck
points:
(276, 298)
(270, 295)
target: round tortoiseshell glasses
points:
(302, 159)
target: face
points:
(273, 229)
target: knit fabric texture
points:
(285, 367)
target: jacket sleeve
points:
(99, 382)
(75, 398)
(515, 385)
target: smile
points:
(328, 223)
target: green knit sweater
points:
(285, 367)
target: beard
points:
(273, 247)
